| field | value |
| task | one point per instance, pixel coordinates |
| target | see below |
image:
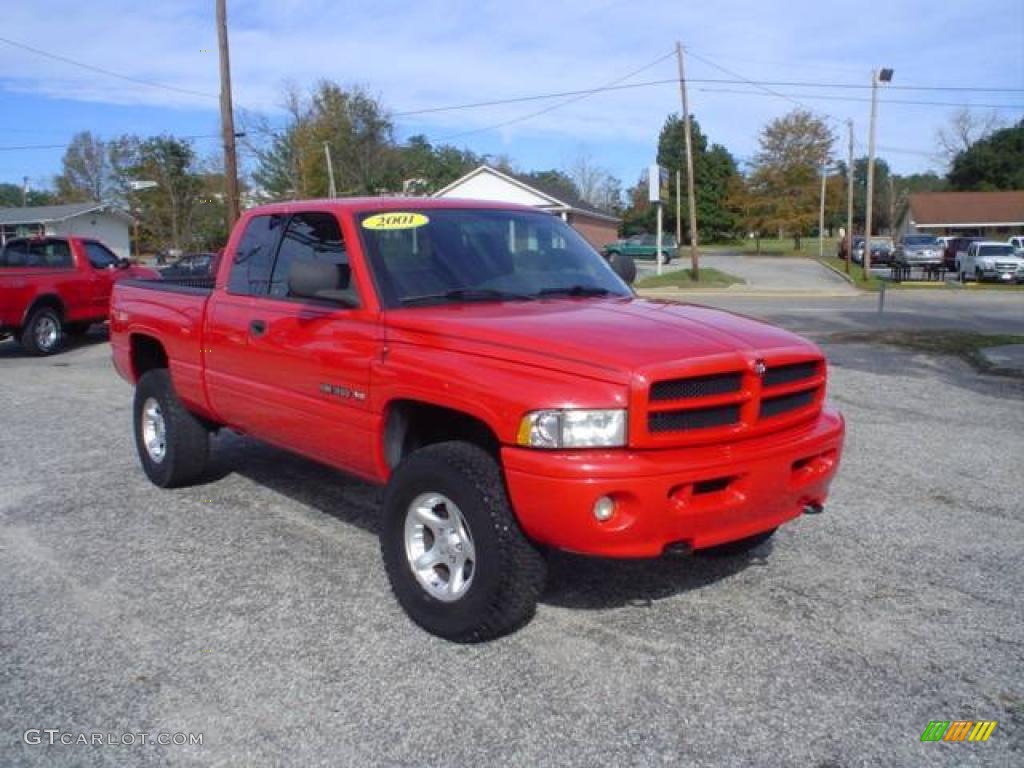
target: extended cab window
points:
(38, 253)
(308, 237)
(100, 256)
(254, 258)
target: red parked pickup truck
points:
(489, 367)
(52, 286)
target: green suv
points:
(642, 247)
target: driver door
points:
(103, 262)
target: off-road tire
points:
(740, 546)
(509, 572)
(187, 440)
(30, 340)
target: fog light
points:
(604, 508)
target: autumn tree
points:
(787, 168)
(351, 124)
(595, 184)
(965, 128)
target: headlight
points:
(573, 429)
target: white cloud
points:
(423, 54)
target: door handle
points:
(258, 327)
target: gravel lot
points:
(254, 609)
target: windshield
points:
(922, 241)
(457, 255)
(995, 250)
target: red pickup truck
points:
(491, 370)
(56, 286)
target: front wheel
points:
(666, 258)
(458, 563)
(173, 445)
(43, 334)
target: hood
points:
(610, 338)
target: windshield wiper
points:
(465, 294)
(575, 290)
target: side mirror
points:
(321, 280)
(624, 266)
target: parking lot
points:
(254, 608)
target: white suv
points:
(997, 261)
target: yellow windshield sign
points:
(395, 220)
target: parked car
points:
(52, 287)
(643, 247)
(881, 250)
(956, 249)
(918, 251)
(191, 265)
(991, 260)
(512, 394)
(1018, 244)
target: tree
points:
(595, 184)
(555, 182)
(356, 129)
(426, 168)
(714, 172)
(11, 196)
(996, 162)
(787, 170)
(964, 130)
(85, 170)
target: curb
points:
(842, 274)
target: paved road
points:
(254, 608)
(768, 274)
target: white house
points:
(107, 223)
(486, 183)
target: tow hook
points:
(813, 508)
(678, 549)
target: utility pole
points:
(877, 76)
(690, 195)
(821, 215)
(24, 191)
(331, 191)
(227, 119)
(849, 199)
(892, 204)
(679, 214)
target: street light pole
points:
(878, 76)
(690, 195)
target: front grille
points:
(787, 374)
(697, 386)
(1012, 267)
(774, 406)
(693, 418)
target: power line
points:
(575, 98)
(107, 72)
(856, 99)
(65, 146)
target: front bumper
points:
(699, 496)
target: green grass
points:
(963, 344)
(681, 278)
(773, 246)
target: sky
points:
(421, 55)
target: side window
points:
(99, 255)
(49, 253)
(309, 237)
(254, 258)
(15, 254)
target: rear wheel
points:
(457, 561)
(43, 334)
(173, 445)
